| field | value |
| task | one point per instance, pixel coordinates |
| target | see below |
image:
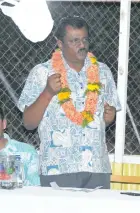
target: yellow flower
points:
(63, 95)
(89, 119)
(87, 116)
(84, 113)
(93, 60)
(93, 87)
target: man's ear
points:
(4, 124)
(59, 43)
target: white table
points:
(48, 200)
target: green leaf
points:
(65, 100)
(84, 123)
(85, 93)
(65, 90)
(99, 84)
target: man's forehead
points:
(75, 31)
(69, 28)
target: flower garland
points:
(91, 93)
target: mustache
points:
(83, 49)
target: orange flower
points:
(92, 97)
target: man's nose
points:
(82, 44)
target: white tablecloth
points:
(48, 200)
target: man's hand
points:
(54, 84)
(109, 113)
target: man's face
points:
(2, 127)
(75, 44)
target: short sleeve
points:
(34, 85)
(111, 96)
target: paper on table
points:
(56, 187)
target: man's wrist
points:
(46, 95)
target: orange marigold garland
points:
(91, 93)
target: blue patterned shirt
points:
(29, 159)
(67, 147)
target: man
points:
(70, 99)
(29, 156)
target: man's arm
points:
(34, 113)
(112, 103)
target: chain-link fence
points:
(132, 145)
(18, 56)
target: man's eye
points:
(86, 39)
(76, 40)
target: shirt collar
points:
(87, 63)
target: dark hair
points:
(75, 21)
(2, 116)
